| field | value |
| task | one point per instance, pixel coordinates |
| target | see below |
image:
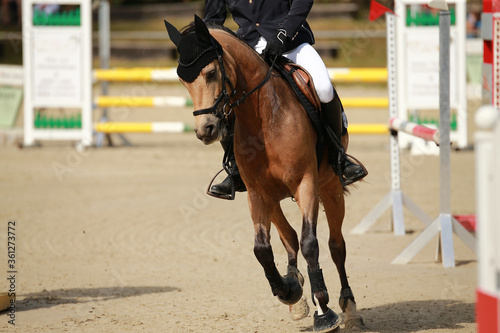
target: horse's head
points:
(202, 71)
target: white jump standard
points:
(445, 224)
(395, 198)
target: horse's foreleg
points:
(333, 201)
(288, 288)
(290, 241)
(288, 237)
(308, 200)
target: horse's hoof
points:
(326, 322)
(300, 309)
(352, 320)
(294, 290)
(346, 295)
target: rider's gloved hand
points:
(276, 46)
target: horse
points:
(274, 145)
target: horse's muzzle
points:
(208, 133)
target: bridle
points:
(225, 95)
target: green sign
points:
(58, 18)
(10, 100)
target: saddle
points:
(304, 82)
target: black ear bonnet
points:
(196, 49)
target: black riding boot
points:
(332, 114)
(225, 189)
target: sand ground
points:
(123, 239)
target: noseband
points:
(225, 96)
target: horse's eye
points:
(211, 75)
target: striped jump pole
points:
(163, 101)
(370, 129)
(358, 75)
(337, 75)
(145, 101)
(137, 127)
(487, 178)
(488, 230)
(426, 133)
(136, 74)
(365, 102)
(177, 127)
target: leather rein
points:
(225, 96)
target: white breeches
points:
(307, 57)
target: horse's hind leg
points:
(290, 241)
(308, 201)
(288, 288)
(332, 197)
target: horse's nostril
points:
(210, 129)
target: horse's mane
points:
(210, 25)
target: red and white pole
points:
(490, 33)
(487, 178)
(426, 133)
(487, 150)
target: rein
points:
(225, 95)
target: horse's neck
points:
(251, 72)
(262, 107)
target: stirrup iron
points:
(221, 196)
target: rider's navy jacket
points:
(264, 17)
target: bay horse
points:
(274, 145)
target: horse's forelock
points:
(187, 29)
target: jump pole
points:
(444, 224)
(426, 133)
(144, 74)
(153, 127)
(395, 198)
(163, 101)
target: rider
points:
(274, 28)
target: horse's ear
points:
(173, 33)
(202, 31)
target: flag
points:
(377, 10)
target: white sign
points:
(57, 67)
(57, 61)
(422, 68)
